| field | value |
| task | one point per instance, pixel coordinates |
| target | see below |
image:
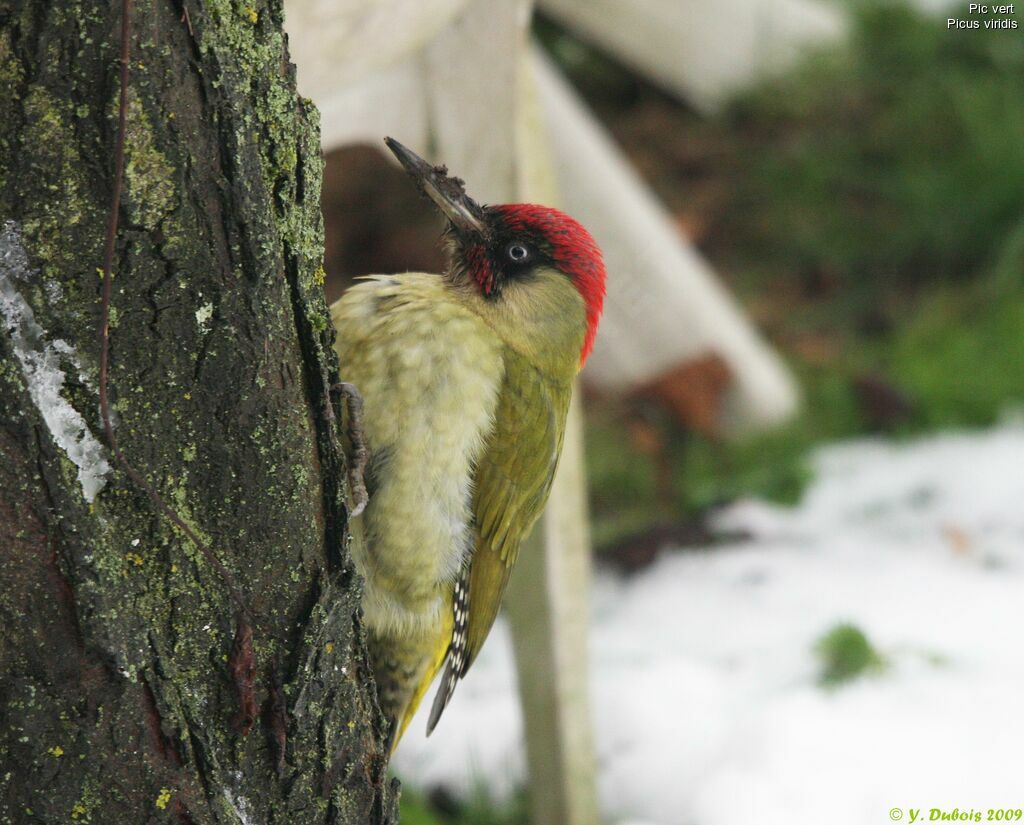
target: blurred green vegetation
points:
(479, 809)
(868, 208)
(892, 163)
(846, 654)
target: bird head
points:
(532, 271)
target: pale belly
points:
(429, 372)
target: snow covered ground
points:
(706, 701)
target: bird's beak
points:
(449, 193)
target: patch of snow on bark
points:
(239, 805)
(40, 362)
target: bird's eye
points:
(517, 252)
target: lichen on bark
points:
(120, 698)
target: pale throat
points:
(542, 317)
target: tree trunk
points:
(129, 689)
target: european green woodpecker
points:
(466, 379)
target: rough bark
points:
(127, 694)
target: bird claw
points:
(360, 454)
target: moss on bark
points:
(119, 700)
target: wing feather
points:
(511, 486)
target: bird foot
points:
(360, 454)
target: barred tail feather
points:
(457, 659)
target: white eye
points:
(518, 252)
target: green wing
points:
(512, 481)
